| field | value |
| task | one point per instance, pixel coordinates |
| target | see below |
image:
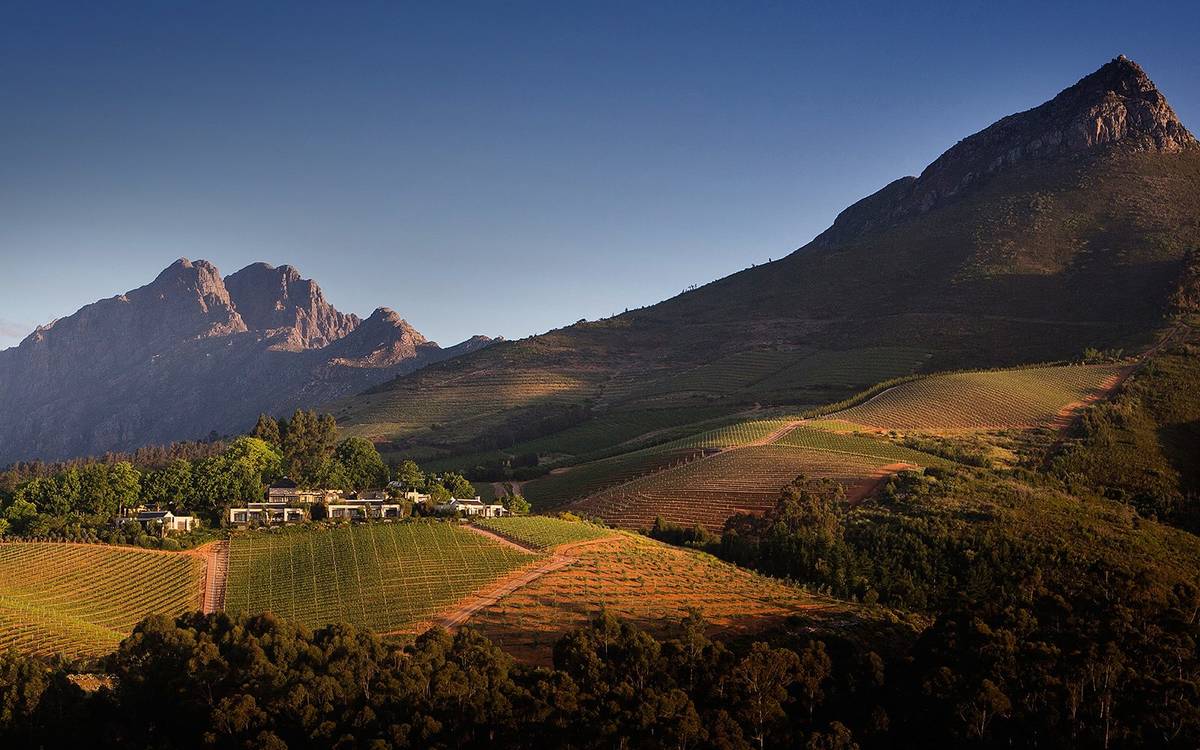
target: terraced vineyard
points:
(579, 481)
(83, 599)
(644, 581)
(734, 435)
(980, 400)
(542, 532)
(859, 445)
(383, 576)
(709, 491)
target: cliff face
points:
(1118, 105)
(192, 353)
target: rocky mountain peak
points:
(281, 304)
(1117, 106)
(192, 352)
(386, 317)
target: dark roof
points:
(284, 484)
(150, 515)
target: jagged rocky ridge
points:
(191, 353)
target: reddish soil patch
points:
(1067, 415)
(863, 490)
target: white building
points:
(364, 505)
(474, 507)
(267, 513)
(167, 520)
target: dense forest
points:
(1032, 670)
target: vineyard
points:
(980, 400)
(733, 435)
(644, 581)
(82, 600)
(709, 491)
(858, 445)
(542, 532)
(384, 576)
(562, 486)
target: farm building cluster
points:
(287, 503)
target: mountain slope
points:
(191, 353)
(1053, 230)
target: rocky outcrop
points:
(291, 309)
(191, 353)
(1118, 106)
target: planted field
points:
(649, 583)
(979, 400)
(564, 485)
(709, 491)
(733, 435)
(384, 576)
(542, 532)
(83, 599)
(859, 445)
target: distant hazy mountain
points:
(1063, 227)
(192, 353)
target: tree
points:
(21, 515)
(516, 504)
(409, 475)
(457, 485)
(171, 485)
(361, 465)
(267, 430)
(97, 495)
(762, 679)
(308, 444)
(125, 482)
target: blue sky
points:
(499, 168)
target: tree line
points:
(79, 500)
(1000, 675)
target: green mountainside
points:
(1054, 230)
